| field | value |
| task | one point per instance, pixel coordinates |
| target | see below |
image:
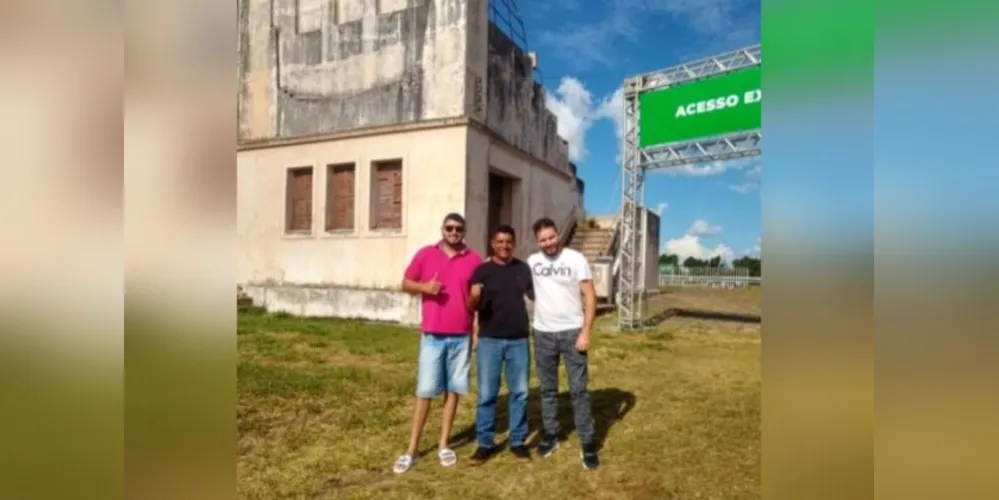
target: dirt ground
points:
(698, 309)
(737, 301)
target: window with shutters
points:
(340, 197)
(386, 194)
(298, 201)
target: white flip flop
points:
(447, 457)
(402, 464)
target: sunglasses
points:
(454, 229)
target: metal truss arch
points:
(637, 161)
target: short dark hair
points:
(543, 223)
(504, 229)
(454, 216)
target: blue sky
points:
(586, 48)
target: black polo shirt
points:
(502, 312)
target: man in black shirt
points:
(498, 288)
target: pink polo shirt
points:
(445, 313)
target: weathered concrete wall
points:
(337, 302)
(580, 190)
(502, 92)
(516, 106)
(538, 190)
(317, 66)
(311, 67)
(476, 59)
(650, 252)
(651, 279)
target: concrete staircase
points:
(592, 242)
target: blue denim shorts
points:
(443, 365)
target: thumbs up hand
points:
(432, 287)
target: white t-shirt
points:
(558, 304)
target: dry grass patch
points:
(324, 410)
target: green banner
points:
(717, 105)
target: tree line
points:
(754, 264)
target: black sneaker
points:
(547, 446)
(521, 453)
(589, 457)
(480, 456)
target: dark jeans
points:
(491, 356)
(548, 348)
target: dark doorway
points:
(497, 197)
(500, 203)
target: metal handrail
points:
(568, 226)
(615, 248)
(523, 248)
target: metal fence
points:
(505, 15)
(710, 277)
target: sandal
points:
(402, 464)
(447, 457)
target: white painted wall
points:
(358, 275)
(433, 185)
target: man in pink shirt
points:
(440, 275)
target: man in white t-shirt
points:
(562, 322)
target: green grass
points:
(324, 408)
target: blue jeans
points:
(492, 356)
(443, 365)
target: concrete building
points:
(598, 239)
(361, 124)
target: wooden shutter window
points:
(298, 209)
(340, 180)
(387, 195)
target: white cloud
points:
(756, 250)
(701, 227)
(706, 17)
(572, 103)
(660, 208)
(753, 172)
(744, 188)
(699, 170)
(719, 25)
(710, 168)
(586, 45)
(690, 245)
(613, 108)
(716, 25)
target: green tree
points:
(754, 264)
(692, 262)
(669, 258)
